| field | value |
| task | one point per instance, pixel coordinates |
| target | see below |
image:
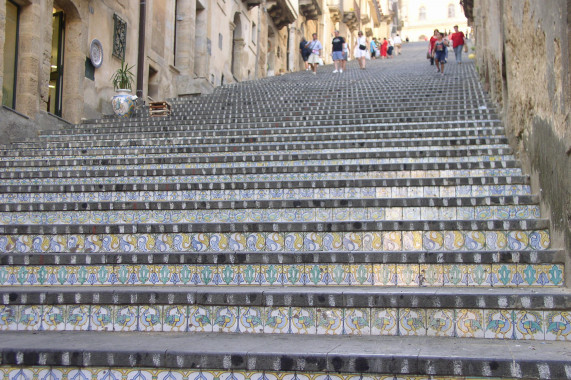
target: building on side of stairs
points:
(419, 18)
(190, 47)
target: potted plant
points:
(123, 102)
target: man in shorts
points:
(337, 54)
(315, 46)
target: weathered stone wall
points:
(523, 53)
(2, 28)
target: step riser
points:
(273, 215)
(320, 275)
(460, 323)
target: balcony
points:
(252, 3)
(282, 12)
(351, 14)
(334, 10)
(310, 9)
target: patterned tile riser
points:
(376, 275)
(302, 163)
(118, 373)
(272, 215)
(463, 323)
(279, 242)
(271, 194)
(268, 177)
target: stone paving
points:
(269, 220)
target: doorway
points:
(10, 55)
(56, 64)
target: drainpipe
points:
(262, 10)
(141, 51)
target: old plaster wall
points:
(523, 57)
(2, 28)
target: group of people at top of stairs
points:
(311, 51)
(438, 48)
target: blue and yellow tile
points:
(329, 321)
(357, 321)
(225, 319)
(175, 318)
(385, 274)
(529, 324)
(200, 319)
(499, 324)
(303, 320)
(470, 323)
(440, 322)
(412, 322)
(276, 320)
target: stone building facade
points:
(190, 47)
(523, 53)
(419, 18)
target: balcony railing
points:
(282, 12)
(311, 9)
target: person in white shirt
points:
(398, 44)
(315, 47)
(361, 49)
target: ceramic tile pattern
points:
(515, 324)
(126, 373)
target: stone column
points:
(74, 68)
(34, 57)
(185, 39)
(200, 48)
(293, 50)
(2, 28)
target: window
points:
(254, 33)
(10, 55)
(119, 37)
(422, 14)
(451, 11)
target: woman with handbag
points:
(361, 50)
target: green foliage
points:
(123, 77)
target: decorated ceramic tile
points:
(150, 318)
(385, 274)
(329, 321)
(392, 241)
(432, 240)
(225, 319)
(557, 325)
(303, 321)
(269, 275)
(276, 320)
(313, 241)
(30, 318)
(470, 323)
(316, 274)
(8, 317)
(384, 321)
(360, 274)
(275, 242)
(504, 275)
(499, 324)
(251, 319)
(357, 321)
(412, 322)
(102, 317)
(126, 318)
(205, 275)
(539, 240)
(293, 242)
(174, 318)
(518, 240)
(200, 318)
(293, 274)
(411, 241)
(372, 241)
(529, 324)
(53, 318)
(407, 274)
(430, 275)
(440, 322)
(454, 240)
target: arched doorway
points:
(238, 44)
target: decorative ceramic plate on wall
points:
(96, 53)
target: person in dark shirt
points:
(337, 51)
(304, 51)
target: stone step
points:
(449, 162)
(33, 354)
(339, 257)
(224, 130)
(274, 135)
(134, 157)
(89, 194)
(481, 186)
(173, 145)
(322, 275)
(263, 204)
(278, 168)
(453, 312)
(270, 215)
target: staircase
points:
(370, 224)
